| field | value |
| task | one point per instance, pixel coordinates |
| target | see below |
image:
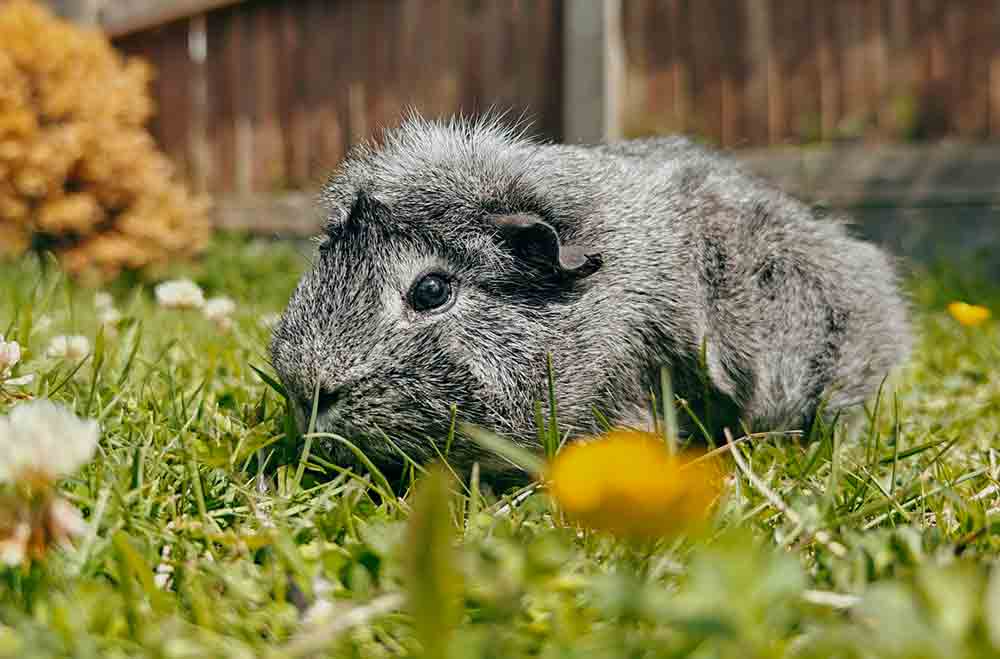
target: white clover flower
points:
(180, 294)
(10, 355)
(219, 308)
(40, 439)
(73, 348)
(269, 320)
(103, 300)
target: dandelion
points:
(219, 310)
(629, 484)
(969, 315)
(72, 348)
(40, 442)
(180, 294)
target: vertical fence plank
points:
(641, 116)
(680, 11)
(877, 64)
(775, 84)
(242, 71)
(994, 72)
(291, 91)
(661, 60)
(172, 75)
(448, 80)
(938, 95)
(381, 65)
(801, 70)
(223, 58)
(357, 83)
(856, 106)
(529, 25)
(546, 64)
(335, 79)
(269, 153)
(972, 38)
(706, 40)
(899, 118)
(473, 56)
(824, 18)
(733, 21)
(200, 156)
(757, 52)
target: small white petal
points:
(19, 382)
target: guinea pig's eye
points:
(430, 291)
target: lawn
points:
(208, 536)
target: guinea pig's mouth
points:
(326, 422)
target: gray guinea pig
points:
(458, 255)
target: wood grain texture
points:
(793, 71)
(290, 86)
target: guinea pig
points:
(459, 256)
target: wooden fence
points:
(259, 96)
(755, 72)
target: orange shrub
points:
(79, 173)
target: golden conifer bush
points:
(79, 173)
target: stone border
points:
(921, 201)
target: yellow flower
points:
(628, 483)
(969, 315)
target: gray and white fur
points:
(614, 259)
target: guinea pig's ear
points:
(366, 208)
(536, 241)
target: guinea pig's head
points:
(427, 295)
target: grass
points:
(210, 537)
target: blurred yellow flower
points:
(969, 315)
(629, 484)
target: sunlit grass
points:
(209, 536)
